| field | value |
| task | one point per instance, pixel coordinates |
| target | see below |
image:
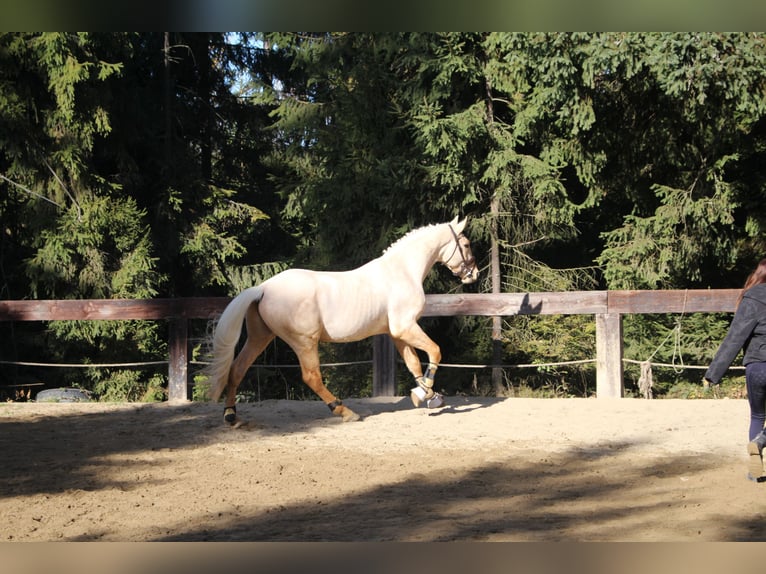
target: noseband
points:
(466, 264)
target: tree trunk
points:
(497, 322)
(168, 95)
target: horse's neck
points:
(416, 258)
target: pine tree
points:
(110, 194)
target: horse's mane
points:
(410, 236)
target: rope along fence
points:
(354, 363)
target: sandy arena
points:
(478, 469)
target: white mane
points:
(410, 236)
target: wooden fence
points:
(608, 307)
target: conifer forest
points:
(149, 164)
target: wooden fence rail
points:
(608, 307)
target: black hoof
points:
(230, 415)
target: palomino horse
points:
(305, 307)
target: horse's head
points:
(457, 255)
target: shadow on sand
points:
(578, 494)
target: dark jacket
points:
(747, 331)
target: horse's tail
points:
(226, 337)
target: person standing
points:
(748, 332)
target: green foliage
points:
(129, 386)
(74, 229)
(98, 249)
(676, 340)
(734, 389)
(648, 252)
(243, 276)
(213, 241)
(149, 164)
(704, 93)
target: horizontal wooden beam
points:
(584, 302)
(674, 301)
(111, 309)
(437, 305)
(487, 304)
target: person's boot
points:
(755, 464)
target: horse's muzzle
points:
(468, 273)
(470, 278)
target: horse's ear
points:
(457, 225)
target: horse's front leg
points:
(406, 343)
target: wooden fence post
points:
(383, 366)
(177, 360)
(609, 373)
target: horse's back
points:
(290, 288)
(335, 306)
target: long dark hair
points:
(757, 276)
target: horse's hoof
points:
(435, 402)
(346, 414)
(230, 415)
(350, 416)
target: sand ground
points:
(479, 469)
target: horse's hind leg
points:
(258, 336)
(312, 376)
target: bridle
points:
(466, 264)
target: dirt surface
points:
(476, 470)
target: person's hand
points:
(709, 386)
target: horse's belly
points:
(346, 327)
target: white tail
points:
(225, 338)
